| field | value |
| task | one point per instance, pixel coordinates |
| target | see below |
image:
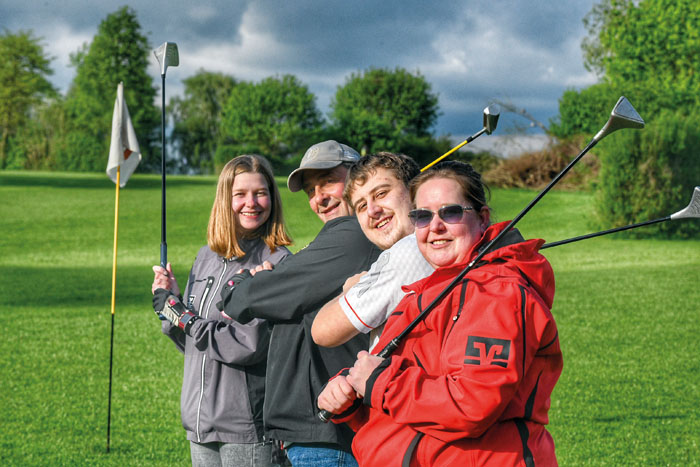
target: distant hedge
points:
(650, 174)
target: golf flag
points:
(124, 152)
(124, 156)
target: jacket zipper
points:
(462, 295)
(210, 281)
(204, 357)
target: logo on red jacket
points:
(487, 351)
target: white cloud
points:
(60, 42)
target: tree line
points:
(217, 118)
(647, 50)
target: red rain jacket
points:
(471, 384)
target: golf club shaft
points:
(163, 244)
(603, 232)
(463, 143)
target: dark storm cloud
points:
(196, 24)
(544, 23)
(354, 34)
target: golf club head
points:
(692, 211)
(491, 114)
(167, 55)
(622, 116)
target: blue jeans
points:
(311, 456)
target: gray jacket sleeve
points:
(302, 283)
(230, 342)
(226, 340)
(175, 334)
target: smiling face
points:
(381, 206)
(444, 244)
(325, 191)
(251, 201)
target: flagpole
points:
(124, 153)
(114, 288)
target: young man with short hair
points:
(377, 189)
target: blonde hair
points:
(222, 232)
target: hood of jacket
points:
(512, 252)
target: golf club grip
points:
(325, 416)
(163, 254)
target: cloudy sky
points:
(526, 52)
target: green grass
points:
(627, 311)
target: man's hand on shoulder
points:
(265, 266)
(337, 396)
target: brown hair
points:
(222, 232)
(403, 167)
(473, 188)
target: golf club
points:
(491, 114)
(622, 116)
(692, 211)
(166, 55)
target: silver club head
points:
(622, 116)
(692, 211)
(167, 55)
(491, 114)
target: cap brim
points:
(295, 181)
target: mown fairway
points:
(628, 313)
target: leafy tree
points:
(425, 149)
(583, 112)
(118, 52)
(645, 50)
(651, 173)
(379, 109)
(197, 118)
(648, 51)
(39, 143)
(278, 116)
(23, 83)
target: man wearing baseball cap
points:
(290, 296)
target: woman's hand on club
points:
(363, 368)
(165, 279)
(337, 396)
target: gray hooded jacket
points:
(224, 376)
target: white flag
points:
(124, 149)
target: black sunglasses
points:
(452, 214)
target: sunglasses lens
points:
(420, 217)
(451, 214)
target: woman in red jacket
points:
(471, 384)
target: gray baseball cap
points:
(325, 155)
